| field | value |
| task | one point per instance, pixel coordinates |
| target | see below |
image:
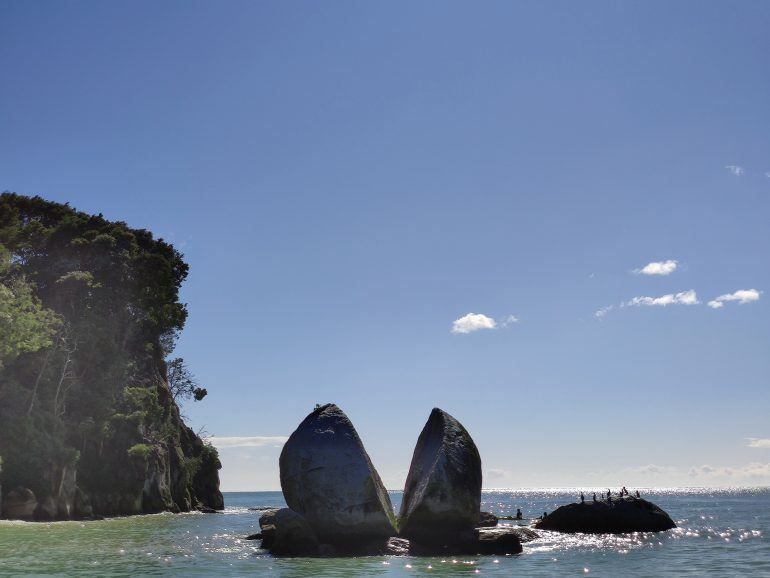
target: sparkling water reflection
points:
(721, 532)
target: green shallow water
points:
(721, 532)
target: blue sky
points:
(348, 179)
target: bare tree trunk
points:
(37, 381)
(59, 402)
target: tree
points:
(89, 310)
(25, 325)
(182, 382)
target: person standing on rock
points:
(594, 496)
(582, 498)
(637, 494)
(519, 515)
(609, 494)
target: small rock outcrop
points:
(619, 516)
(487, 520)
(328, 478)
(287, 533)
(442, 495)
(20, 504)
(498, 541)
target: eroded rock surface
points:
(442, 495)
(327, 477)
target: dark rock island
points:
(618, 516)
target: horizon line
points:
(564, 488)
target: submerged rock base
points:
(618, 516)
(287, 533)
(339, 507)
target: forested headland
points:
(89, 389)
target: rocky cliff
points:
(89, 417)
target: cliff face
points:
(89, 420)
(178, 474)
(131, 473)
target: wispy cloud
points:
(752, 471)
(683, 298)
(247, 441)
(742, 296)
(706, 474)
(735, 170)
(473, 322)
(495, 473)
(603, 311)
(509, 320)
(758, 443)
(658, 268)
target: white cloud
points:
(742, 296)
(247, 442)
(758, 443)
(658, 268)
(473, 322)
(735, 170)
(683, 298)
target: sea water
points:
(720, 533)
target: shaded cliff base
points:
(178, 476)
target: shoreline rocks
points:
(20, 504)
(619, 516)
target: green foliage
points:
(89, 308)
(140, 451)
(182, 382)
(142, 406)
(25, 325)
(209, 452)
(191, 466)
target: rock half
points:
(327, 476)
(442, 496)
(619, 516)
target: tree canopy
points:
(89, 309)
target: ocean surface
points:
(721, 533)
